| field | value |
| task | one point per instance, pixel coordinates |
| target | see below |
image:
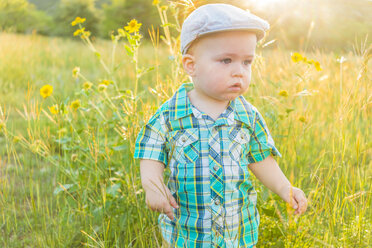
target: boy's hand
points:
(158, 196)
(296, 197)
(161, 201)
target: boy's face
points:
(220, 64)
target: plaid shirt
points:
(208, 160)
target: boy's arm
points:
(269, 173)
(158, 195)
(151, 174)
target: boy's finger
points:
(294, 203)
(301, 199)
(173, 202)
(303, 205)
(168, 211)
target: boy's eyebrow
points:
(234, 55)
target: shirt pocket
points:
(184, 145)
(239, 143)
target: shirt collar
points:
(180, 106)
(243, 111)
(226, 118)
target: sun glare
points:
(266, 3)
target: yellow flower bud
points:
(75, 104)
(302, 119)
(283, 93)
(46, 91)
(296, 57)
(75, 72)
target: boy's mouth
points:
(236, 87)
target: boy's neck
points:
(209, 106)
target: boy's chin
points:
(229, 97)
(232, 96)
(226, 97)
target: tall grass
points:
(69, 179)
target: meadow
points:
(67, 173)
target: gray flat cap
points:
(212, 18)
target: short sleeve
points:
(261, 143)
(151, 141)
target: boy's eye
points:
(226, 61)
(247, 62)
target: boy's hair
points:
(213, 18)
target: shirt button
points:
(242, 136)
(215, 167)
(183, 139)
(217, 202)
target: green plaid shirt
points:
(208, 160)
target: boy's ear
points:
(188, 62)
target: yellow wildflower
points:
(79, 31)
(102, 87)
(304, 59)
(77, 21)
(54, 109)
(296, 57)
(137, 37)
(87, 85)
(75, 104)
(310, 62)
(302, 119)
(85, 34)
(155, 2)
(283, 93)
(164, 8)
(106, 82)
(75, 72)
(317, 66)
(133, 26)
(46, 91)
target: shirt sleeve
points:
(261, 144)
(151, 141)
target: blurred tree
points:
(119, 12)
(52, 5)
(68, 10)
(21, 16)
(295, 24)
(49, 6)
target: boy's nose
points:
(238, 71)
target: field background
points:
(69, 179)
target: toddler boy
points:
(208, 135)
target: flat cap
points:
(212, 18)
